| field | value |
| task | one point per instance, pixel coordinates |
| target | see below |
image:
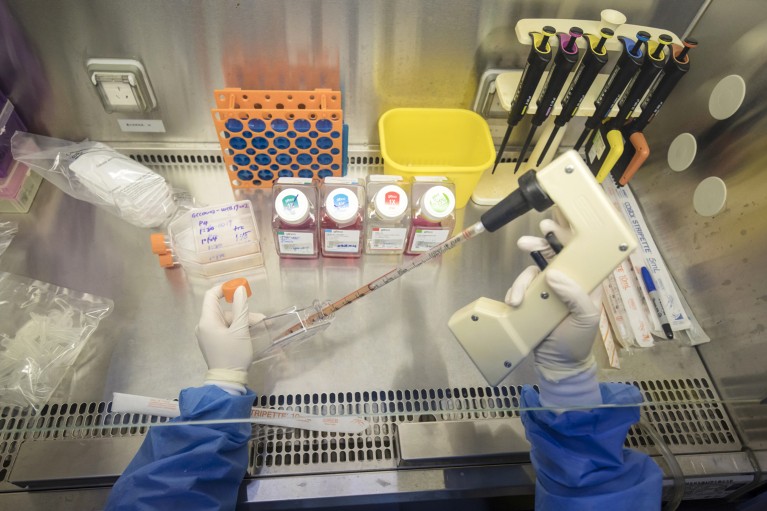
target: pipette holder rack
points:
(494, 187)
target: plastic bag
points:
(7, 231)
(96, 173)
(42, 331)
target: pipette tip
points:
(524, 148)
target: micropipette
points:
(564, 62)
(623, 73)
(593, 62)
(537, 60)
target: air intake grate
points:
(687, 427)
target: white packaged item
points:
(96, 173)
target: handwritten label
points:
(218, 227)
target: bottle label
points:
(392, 198)
(341, 201)
(296, 243)
(387, 238)
(440, 203)
(339, 240)
(425, 239)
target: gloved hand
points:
(565, 354)
(224, 339)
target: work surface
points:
(396, 338)
(389, 357)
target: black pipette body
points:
(642, 82)
(592, 63)
(566, 58)
(624, 71)
(537, 61)
(676, 67)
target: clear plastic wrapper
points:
(7, 231)
(42, 331)
(96, 173)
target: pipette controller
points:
(537, 60)
(593, 61)
(498, 337)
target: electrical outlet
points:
(122, 85)
(119, 94)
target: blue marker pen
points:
(656, 302)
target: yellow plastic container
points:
(437, 142)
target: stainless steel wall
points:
(383, 53)
(721, 262)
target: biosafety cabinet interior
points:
(392, 358)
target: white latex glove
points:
(224, 339)
(566, 351)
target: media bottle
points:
(433, 213)
(342, 203)
(295, 218)
(388, 214)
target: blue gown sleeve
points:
(189, 467)
(579, 458)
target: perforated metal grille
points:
(203, 156)
(366, 159)
(176, 158)
(686, 427)
(281, 450)
(73, 420)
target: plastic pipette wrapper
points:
(131, 403)
(679, 315)
(94, 172)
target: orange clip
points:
(166, 260)
(642, 152)
(157, 241)
(230, 286)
